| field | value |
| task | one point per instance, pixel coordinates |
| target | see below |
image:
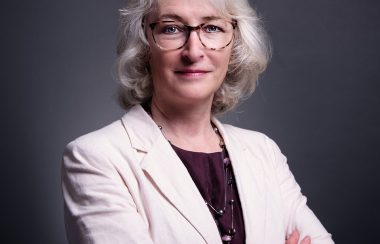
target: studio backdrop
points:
(319, 100)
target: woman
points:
(169, 171)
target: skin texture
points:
(185, 80)
(294, 238)
(171, 84)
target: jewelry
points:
(228, 183)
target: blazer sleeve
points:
(98, 207)
(297, 213)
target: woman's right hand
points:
(295, 236)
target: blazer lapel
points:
(171, 177)
(249, 179)
(168, 173)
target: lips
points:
(191, 72)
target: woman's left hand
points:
(295, 236)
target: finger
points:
(293, 238)
(306, 240)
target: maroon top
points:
(207, 172)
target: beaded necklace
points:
(228, 183)
(228, 186)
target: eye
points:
(212, 29)
(171, 29)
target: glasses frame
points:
(189, 29)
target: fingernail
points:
(308, 240)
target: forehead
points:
(187, 10)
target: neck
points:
(188, 128)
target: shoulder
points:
(102, 143)
(254, 141)
(245, 133)
(101, 137)
(247, 136)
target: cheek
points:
(159, 62)
(154, 60)
(223, 62)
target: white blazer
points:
(125, 184)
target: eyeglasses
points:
(214, 34)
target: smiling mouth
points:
(191, 72)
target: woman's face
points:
(192, 74)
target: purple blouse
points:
(207, 172)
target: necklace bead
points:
(226, 164)
(230, 181)
(232, 231)
(226, 238)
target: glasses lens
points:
(215, 34)
(170, 34)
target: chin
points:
(195, 98)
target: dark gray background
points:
(318, 100)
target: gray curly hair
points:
(249, 56)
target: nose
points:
(193, 50)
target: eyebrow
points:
(170, 16)
(179, 18)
